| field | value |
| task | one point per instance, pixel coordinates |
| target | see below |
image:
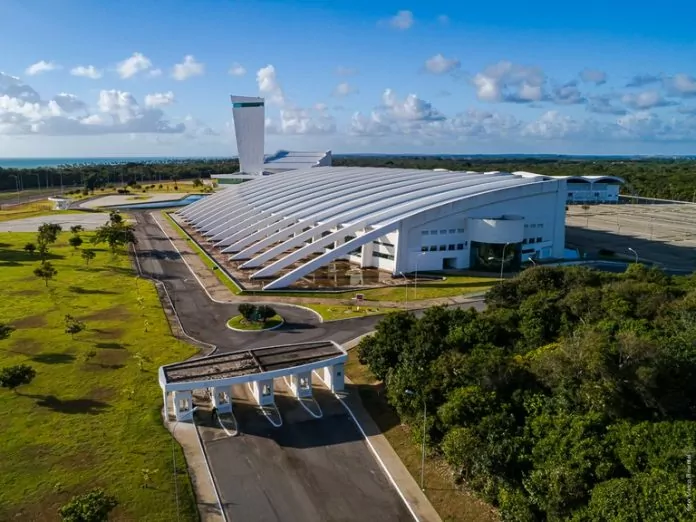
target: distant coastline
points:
(29, 163)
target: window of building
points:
(460, 246)
(348, 238)
(443, 232)
(425, 232)
(450, 247)
(540, 225)
(533, 226)
(539, 240)
(524, 241)
(460, 231)
(424, 249)
(466, 243)
(452, 230)
(443, 248)
(528, 250)
(383, 244)
(526, 225)
(531, 240)
(433, 232)
(384, 256)
(433, 248)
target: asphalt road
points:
(306, 470)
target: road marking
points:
(210, 473)
(321, 413)
(374, 451)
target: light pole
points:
(415, 281)
(17, 185)
(634, 253)
(425, 418)
(406, 298)
(502, 261)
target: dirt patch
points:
(30, 321)
(108, 333)
(115, 313)
(27, 292)
(109, 359)
(26, 346)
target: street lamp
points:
(634, 253)
(502, 261)
(405, 279)
(425, 418)
(17, 185)
(415, 281)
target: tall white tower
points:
(249, 120)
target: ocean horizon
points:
(32, 163)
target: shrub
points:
(14, 376)
(90, 507)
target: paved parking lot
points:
(664, 233)
(308, 469)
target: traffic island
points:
(239, 324)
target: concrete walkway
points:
(221, 293)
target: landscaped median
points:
(338, 312)
(91, 416)
(240, 324)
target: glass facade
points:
(488, 257)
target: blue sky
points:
(85, 78)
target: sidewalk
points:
(220, 292)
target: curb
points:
(282, 322)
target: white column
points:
(183, 404)
(334, 378)
(301, 384)
(222, 398)
(263, 392)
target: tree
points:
(116, 233)
(264, 312)
(94, 506)
(247, 311)
(75, 242)
(197, 182)
(76, 229)
(73, 325)
(45, 271)
(30, 248)
(14, 376)
(88, 254)
(115, 218)
(48, 233)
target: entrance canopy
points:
(256, 364)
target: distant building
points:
(249, 127)
(589, 189)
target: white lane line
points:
(210, 473)
(374, 451)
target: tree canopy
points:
(571, 397)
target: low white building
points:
(593, 189)
(400, 220)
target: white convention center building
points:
(284, 227)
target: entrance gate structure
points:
(256, 367)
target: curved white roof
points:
(587, 179)
(267, 221)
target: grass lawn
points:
(183, 187)
(240, 323)
(337, 312)
(451, 503)
(91, 417)
(34, 209)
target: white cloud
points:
(567, 94)
(507, 82)
(344, 89)
(188, 68)
(155, 73)
(129, 67)
(86, 71)
(593, 76)
(346, 71)
(645, 100)
(23, 112)
(682, 85)
(641, 80)
(443, 19)
(604, 104)
(268, 85)
(159, 99)
(302, 121)
(402, 20)
(411, 108)
(41, 67)
(554, 125)
(237, 70)
(438, 64)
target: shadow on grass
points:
(69, 406)
(16, 257)
(111, 346)
(104, 366)
(86, 291)
(53, 358)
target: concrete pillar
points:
(334, 378)
(222, 398)
(263, 392)
(301, 384)
(366, 255)
(183, 404)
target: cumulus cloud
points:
(682, 85)
(314, 121)
(155, 73)
(24, 112)
(508, 82)
(344, 89)
(346, 71)
(41, 67)
(641, 80)
(86, 71)
(269, 87)
(438, 64)
(604, 104)
(237, 70)
(402, 20)
(645, 100)
(188, 68)
(159, 99)
(593, 76)
(567, 94)
(133, 65)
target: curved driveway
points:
(205, 320)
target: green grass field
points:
(91, 417)
(337, 312)
(33, 209)
(240, 323)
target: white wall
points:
(539, 204)
(593, 192)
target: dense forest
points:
(571, 397)
(659, 178)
